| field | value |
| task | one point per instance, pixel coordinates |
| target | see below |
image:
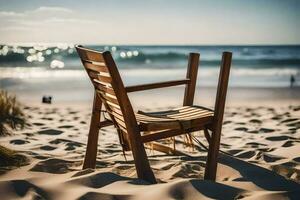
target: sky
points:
(138, 22)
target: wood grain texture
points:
(192, 72)
(151, 86)
(214, 145)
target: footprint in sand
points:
(84, 172)
(253, 131)
(297, 159)
(24, 188)
(41, 157)
(289, 164)
(247, 154)
(66, 126)
(47, 118)
(241, 129)
(266, 130)
(255, 144)
(58, 141)
(271, 158)
(71, 145)
(288, 144)
(55, 166)
(266, 149)
(227, 122)
(255, 121)
(296, 108)
(47, 148)
(278, 138)
(278, 117)
(234, 151)
(38, 124)
(29, 134)
(18, 142)
(249, 109)
(295, 124)
(288, 120)
(50, 132)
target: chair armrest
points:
(151, 86)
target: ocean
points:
(45, 68)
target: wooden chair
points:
(135, 129)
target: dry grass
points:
(10, 159)
(11, 115)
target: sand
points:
(261, 159)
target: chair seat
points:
(185, 117)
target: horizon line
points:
(124, 44)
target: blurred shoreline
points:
(252, 66)
(165, 97)
(259, 74)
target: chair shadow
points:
(263, 178)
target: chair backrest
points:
(109, 86)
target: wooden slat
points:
(104, 79)
(184, 113)
(181, 114)
(116, 110)
(191, 74)
(98, 68)
(151, 125)
(109, 98)
(156, 126)
(92, 144)
(105, 74)
(166, 134)
(196, 114)
(113, 105)
(123, 129)
(165, 149)
(146, 119)
(105, 123)
(109, 90)
(161, 120)
(121, 123)
(138, 151)
(89, 54)
(92, 74)
(214, 145)
(104, 84)
(151, 86)
(116, 115)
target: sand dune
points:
(261, 160)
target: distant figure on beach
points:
(292, 80)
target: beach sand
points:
(260, 138)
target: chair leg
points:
(212, 156)
(142, 165)
(91, 149)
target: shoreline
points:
(171, 96)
